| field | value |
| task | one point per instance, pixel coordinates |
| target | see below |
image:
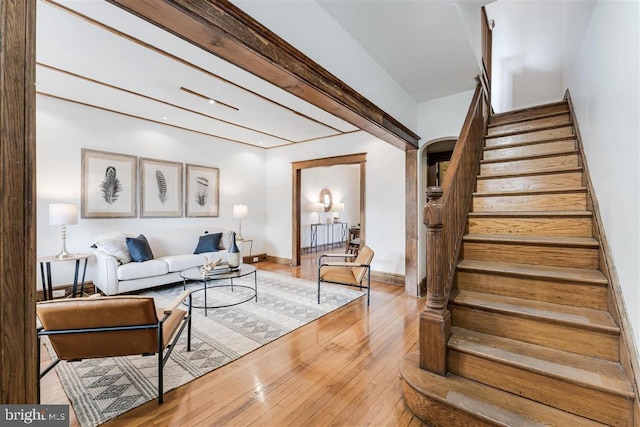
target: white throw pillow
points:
(225, 240)
(115, 246)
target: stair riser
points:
(541, 135)
(567, 161)
(556, 181)
(532, 254)
(567, 227)
(528, 115)
(531, 202)
(583, 401)
(437, 413)
(555, 335)
(530, 125)
(530, 150)
(557, 292)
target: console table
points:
(340, 229)
(47, 260)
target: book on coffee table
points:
(221, 268)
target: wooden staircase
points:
(532, 341)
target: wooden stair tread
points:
(523, 131)
(487, 403)
(529, 112)
(550, 134)
(529, 125)
(530, 192)
(531, 214)
(541, 171)
(582, 370)
(578, 317)
(525, 143)
(570, 274)
(528, 119)
(564, 241)
(529, 157)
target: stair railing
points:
(445, 216)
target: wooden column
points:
(435, 320)
(18, 371)
(411, 223)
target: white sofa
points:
(113, 277)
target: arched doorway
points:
(433, 161)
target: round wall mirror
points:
(326, 199)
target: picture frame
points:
(203, 191)
(109, 184)
(160, 188)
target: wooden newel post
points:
(435, 320)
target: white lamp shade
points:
(317, 207)
(240, 211)
(337, 207)
(63, 214)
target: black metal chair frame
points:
(351, 265)
(162, 359)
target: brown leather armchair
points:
(85, 328)
(347, 273)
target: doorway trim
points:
(297, 167)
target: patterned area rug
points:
(101, 389)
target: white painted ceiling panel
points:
(125, 64)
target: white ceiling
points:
(413, 41)
(96, 54)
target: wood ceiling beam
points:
(222, 29)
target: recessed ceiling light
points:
(211, 101)
(165, 118)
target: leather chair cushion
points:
(338, 274)
(80, 313)
(171, 324)
(365, 256)
(100, 312)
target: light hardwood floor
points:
(341, 370)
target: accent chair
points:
(351, 273)
(96, 327)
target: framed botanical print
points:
(109, 185)
(203, 183)
(160, 188)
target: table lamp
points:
(240, 212)
(63, 214)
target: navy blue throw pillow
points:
(208, 243)
(139, 248)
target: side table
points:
(242, 242)
(47, 260)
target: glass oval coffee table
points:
(217, 282)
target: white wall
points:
(64, 128)
(443, 117)
(604, 39)
(343, 181)
(310, 29)
(437, 119)
(385, 195)
(527, 53)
